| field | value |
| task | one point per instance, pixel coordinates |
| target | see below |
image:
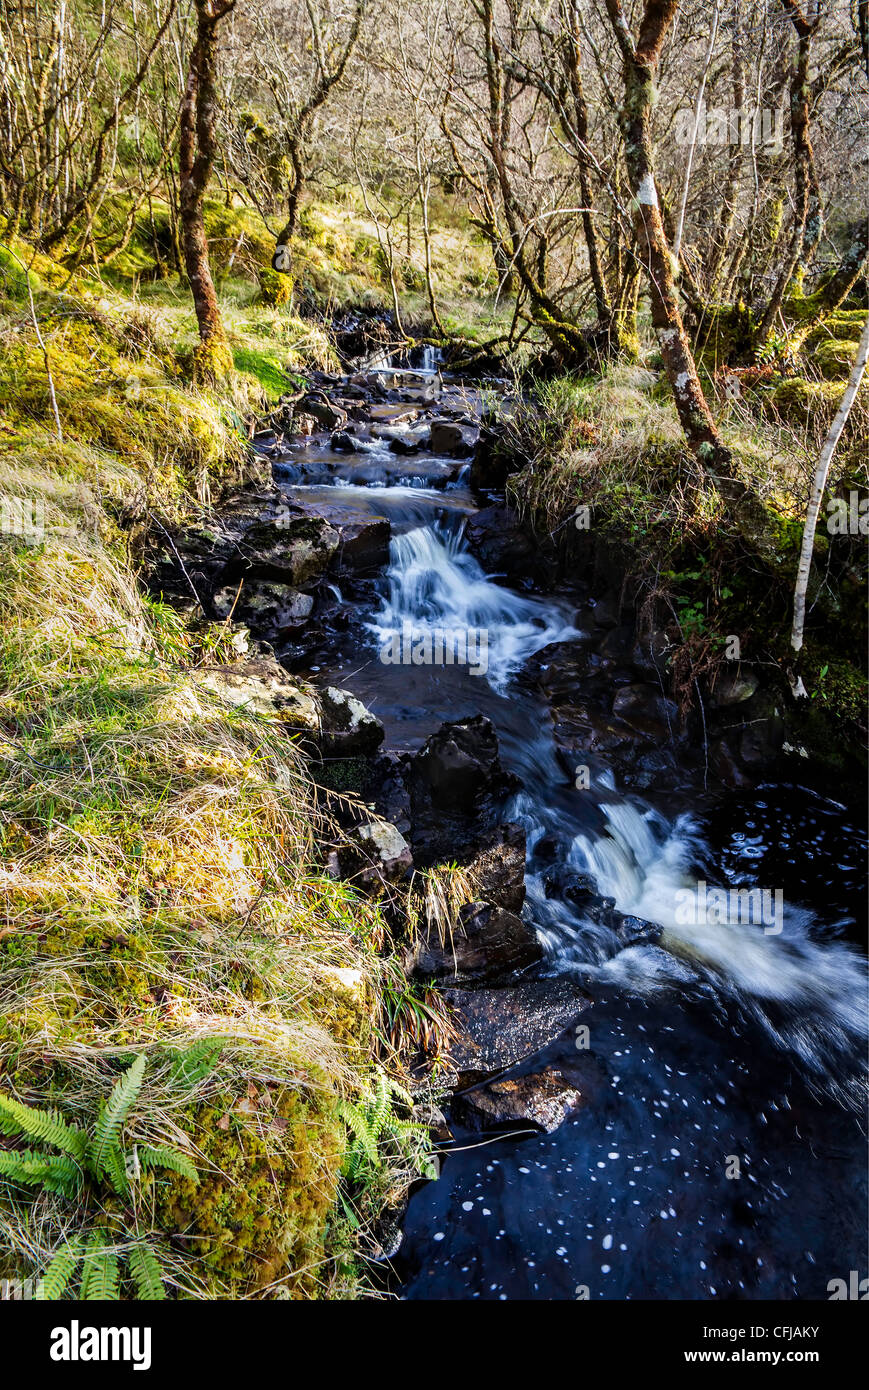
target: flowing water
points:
(720, 1151)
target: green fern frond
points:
(112, 1114)
(165, 1157)
(55, 1279)
(45, 1125)
(379, 1110)
(100, 1281)
(364, 1144)
(54, 1172)
(115, 1169)
(146, 1274)
(196, 1062)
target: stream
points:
(720, 1151)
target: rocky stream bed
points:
(645, 1103)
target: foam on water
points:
(434, 582)
(809, 995)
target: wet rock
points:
(636, 931)
(386, 789)
(254, 537)
(377, 853)
(343, 443)
(446, 437)
(491, 464)
(269, 608)
(543, 1099)
(497, 538)
(726, 764)
(761, 741)
(460, 764)
(606, 611)
(497, 870)
(403, 445)
(394, 414)
(616, 649)
(292, 547)
(349, 730)
(580, 890)
(362, 537)
(734, 689)
(488, 944)
(499, 1027)
(645, 709)
(327, 415)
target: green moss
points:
(798, 401)
(275, 289)
(833, 357)
(265, 367)
(268, 1184)
(727, 335)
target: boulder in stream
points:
(543, 1099)
(499, 1027)
(488, 944)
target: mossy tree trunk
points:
(641, 59)
(198, 147)
(808, 220)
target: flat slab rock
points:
(499, 1027)
(543, 1099)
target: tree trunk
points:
(640, 70)
(807, 230)
(198, 146)
(818, 485)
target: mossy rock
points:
(798, 401)
(834, 357)
(268, 1179)
(844, 326)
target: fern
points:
(54, 1172)
(378, 1112)
(102, 1160)
(146, 1274)
(44, 1125)
(364, 1146)
(115, 1169)
(196, 1062)
(100, 1281)
(165, 1157)
(112, 1114)
(53, 1284)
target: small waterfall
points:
(434, 583)
(810, 996)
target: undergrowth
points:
(161, 897)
